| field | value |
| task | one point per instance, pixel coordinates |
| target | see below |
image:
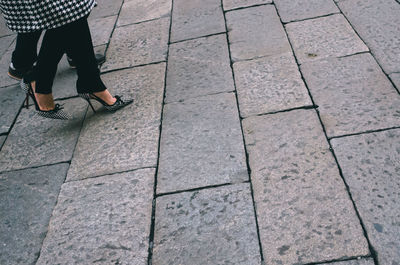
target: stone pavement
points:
(262, 132)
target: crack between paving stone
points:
(245, 7)
(199, 97)
(364, 132)
(373, 253)
(311, 18)
(356, 258)
(33, 167)
(280, 111)
(141, 22)
(131, 67)
(195, 38)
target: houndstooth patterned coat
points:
(31, 15)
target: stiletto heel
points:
(27, 101)
(117, 104)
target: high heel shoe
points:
(56, 113)
(117, 104)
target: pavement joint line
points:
(244, 141)
(195, 38)
(200, 96)
(356, 258)
(244, 7)
(310, 18)
(353, 54)
(141, 22)
(131, 67)
(365, 132)
(33, 167)
(154, 201)
(281, 111)
(365, 233)
(372, 54)
(201, 188)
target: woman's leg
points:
(24, 54)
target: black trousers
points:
(74, 39)
(25, 55)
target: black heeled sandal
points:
(56, 113)
(116, 106)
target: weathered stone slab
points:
(353, 95)
(353, 262)
(101, 29)
(212, 226)
(304, 212)
(291, 10)
(2, 140)
(27, 201)
(134, 11)
(324, 37)
(4, 30)
(5, 61)
(201, 144)
(256, 32)
(104, 220)
(269, 84)
(138, 44)
(37, 141)
(65, 81)
(377, 22)
(370, 165)
(127, 139)
(196, 18)
(232, 4)
(5, 43)
(10, 102)
(396, 80)
(106, 8)
(198, 67)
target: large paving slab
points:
(256, 32)
(27, 201)
(2, 140)
(353, 95)
(138, 44)
(211, 226)
(377, 22)
(5, 43)
(352, 262)
(37, 141)
(370, 165)
(304, 212)
(106, 8)
(10, 102)
(324, 37)
(101, 29)
(201, 144)
(198, 67)
(196, 18)
(5, 80)
(104, 220)
(127, 139)
(269, 84)
(232, 4)
(4, 30)
(135, 11)
(396, 80)
(291, 10)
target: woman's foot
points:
(45, 101)
(106, 97)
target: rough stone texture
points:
(10, 102)
(256, 32)
(4, 31)
(370, 165)
(27, 201)
(377, 22)
(269, 84)
(212, 226)
(201, 144)
(291, 10)
(138, 44)
(106, 8)
(232, 4)
(198, 67)
(396, 80)
(353, 262)
(353, 95)
(101, 29)
(304, 212)
(134, 11)
(2, 140)
(5, 80)
(196, 18)
(324, 37)
(128, 138)
(5, 43)
(36, 141)
(65, 81)
(103, 220)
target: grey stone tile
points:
(396, 80)
(198, 67)
(324, 37)
(196, 18)
(27, 201)
(232, 4)
(4, 30)
(5, 43)
(370, 165)
(2, 140)
(37, 141)
(138, 44)
(127, 139)
(353, 262)
(269, 84)
(65, 81)
(134, 11)
(5, 61)
(353, 95)
(211, 226)
(377, 22)
(305, 214)
(291, 10)
(101, 29)
(102, 220)
(106, 8)
(201, 144)
(10, 102)
(248, 36)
